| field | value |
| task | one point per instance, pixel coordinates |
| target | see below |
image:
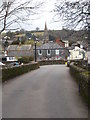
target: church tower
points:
(46, 36)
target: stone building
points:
(20, 50)
(50, 50)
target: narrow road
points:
(48, 92)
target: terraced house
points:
(51, 50)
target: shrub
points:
(31, 58)
(82, 64)
(26, 59)
(82, 79)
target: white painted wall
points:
(77, 54)
(11, 59)
(66, 43)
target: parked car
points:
(14, 64)
(1, 64)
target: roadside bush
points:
(82, 64)
(8, 73)
(26, 59)
(82, 77)
(31, 58)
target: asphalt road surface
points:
(48, 92)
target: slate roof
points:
(20, 50)
(12, 47)
(21, 47)
(50, 46)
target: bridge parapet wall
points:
(51, 62)
(82, 77)
(11, 72)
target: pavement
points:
(48, 92)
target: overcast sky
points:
(45, 16)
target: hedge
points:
(26, 59)
(8, 73)
(50, 62)
(83, 81)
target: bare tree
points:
(73, 13)
(37, 28)
(17, 12)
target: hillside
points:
(69, 35)
(64, 34)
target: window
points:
(10, 58)
(40, 52)
(4, 59)
(57, 52)
(80, 53)
(48, 52)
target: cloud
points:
(38, 20)
(47, 16)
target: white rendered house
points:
(77, 54)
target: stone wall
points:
(82, 78)
(11, 72)
(51, 62)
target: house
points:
(50, 51)
(6, 58)
(20, 50)
(77, 53)
(20, 36)
(81, 44)
(66, 43)
(60, 42)
(63, 43)
(9, 59)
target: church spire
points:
(45, 26)
(46, 36)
